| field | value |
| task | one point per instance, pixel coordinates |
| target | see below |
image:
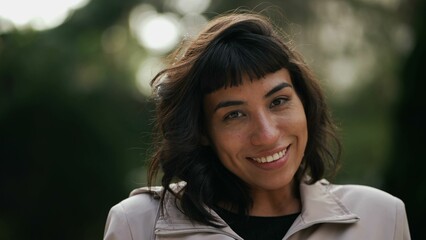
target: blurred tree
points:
(404, 177)
(69, 120)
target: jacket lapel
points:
(173, 223)
(319, 205)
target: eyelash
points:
(282, 100)
(231, 115)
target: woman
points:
(244, 141)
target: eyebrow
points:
(277, 88)
(227, 104)
(268, 94)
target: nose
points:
(264, 130)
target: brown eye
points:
(278, 102)
(233, 115)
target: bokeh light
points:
(38, 15)
(189, 6)
(160, 33)
(157, 32)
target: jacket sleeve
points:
(402, 231)
(117, 226)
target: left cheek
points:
(297, 127)
(225, 145)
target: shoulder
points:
(360, 210)
(360, 194)
(135, 216)
(374, 206)
(369, 202)
(141, 201)
(145, 200)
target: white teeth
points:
(270, 158)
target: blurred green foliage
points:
(75, 132)
(71, 128)
(404, 176)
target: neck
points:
(279, 202)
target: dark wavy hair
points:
(229, 47)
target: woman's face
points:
(258, 130)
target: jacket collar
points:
(319, 205)
(171, 221)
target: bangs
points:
(228, 60)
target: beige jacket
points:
(328, 212)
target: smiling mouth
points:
(271, 158)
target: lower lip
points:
(272, 165)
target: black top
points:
(255, 228)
